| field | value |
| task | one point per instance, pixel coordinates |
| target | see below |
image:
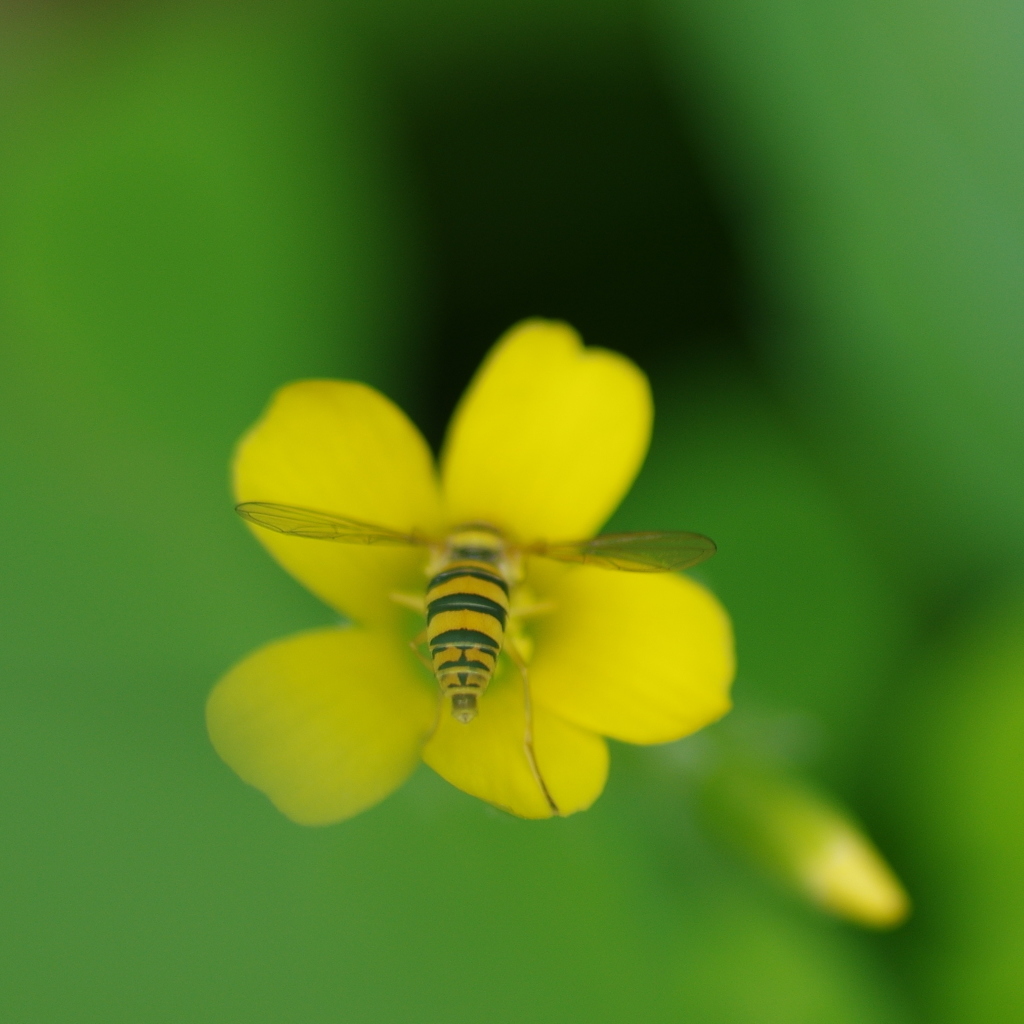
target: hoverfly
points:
(472, 574)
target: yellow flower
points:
(544, 444)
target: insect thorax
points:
(467, 610)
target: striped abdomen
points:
(467, 606)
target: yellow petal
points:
(549, 436)
(642, 658)
(486, 757)
(342, 447)
(326, 723)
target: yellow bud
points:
(809, 842)
(843, 872)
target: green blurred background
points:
(803, 220)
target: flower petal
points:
(641, 658)
(549, 436)
(326, 723)
(342, 447)
(486, 758)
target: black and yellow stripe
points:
(467, 608)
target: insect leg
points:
(531, 757)
(417, 602)
(526, 611)
(416, 643)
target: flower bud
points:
(809, 842)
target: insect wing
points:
(308, 522)
(659, 551)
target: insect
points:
(470, 603)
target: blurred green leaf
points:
(196, 205)
(865, 147)
(954, 740)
